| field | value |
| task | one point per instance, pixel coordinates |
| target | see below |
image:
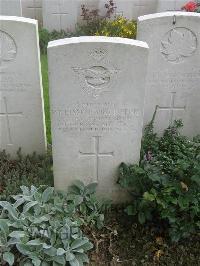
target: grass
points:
(45, 81)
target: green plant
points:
(165, 186)
(42, 227)
(91, 210)
(24, 170)
(119, 27)
(45, 36)
(92, 20)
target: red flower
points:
(190, 6)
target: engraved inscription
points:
(178, 44)
(96, 117)
(97, 154)
(96, 79)
(172, 108)
(11, 82)
(185, 82)
(7, 115)
(8, 49)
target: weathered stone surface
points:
(10, 8)
(21, 103)
(173, 69)
(97, 97)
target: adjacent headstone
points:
(131, 9)
(10, 8)
(170, 5)
(96, 109)
(60, 14)
(32, 9)
(173, 76)
(21, 103)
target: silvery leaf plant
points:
(42, 227)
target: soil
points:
(124, 242)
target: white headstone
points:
(131, 9)
(60, 14)
(170, 5)
(173, 69)
(10, 8)
(97, 97)
(32, 9)
(21, 103)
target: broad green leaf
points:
(78, 243)
(91, 188)
(69, 256)
(29, 205)
(130, 210)
(33, 189)
(141, 217)
(60, 260)
(17, 234)
(46, 195)
(60, 251)
(87, 246)
(4, 226)
(39, 220)
(35, 242)
(18, 202)
(149, 197)
(25, 190)
(155, 177)
(36, 262)
(11, 210)
(79, 184)
(24, 249)
(82, 258)
(75, 262)
(9, 258)
(51, 251)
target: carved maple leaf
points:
(180, 43)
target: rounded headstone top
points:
(97, 39)
(18, 19)
(168, 14)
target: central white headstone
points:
(21, 101)
(97, 97)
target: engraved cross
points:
(97, 155)
(35, 7)
(172, 108)
(60, 13)
(7, 115)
